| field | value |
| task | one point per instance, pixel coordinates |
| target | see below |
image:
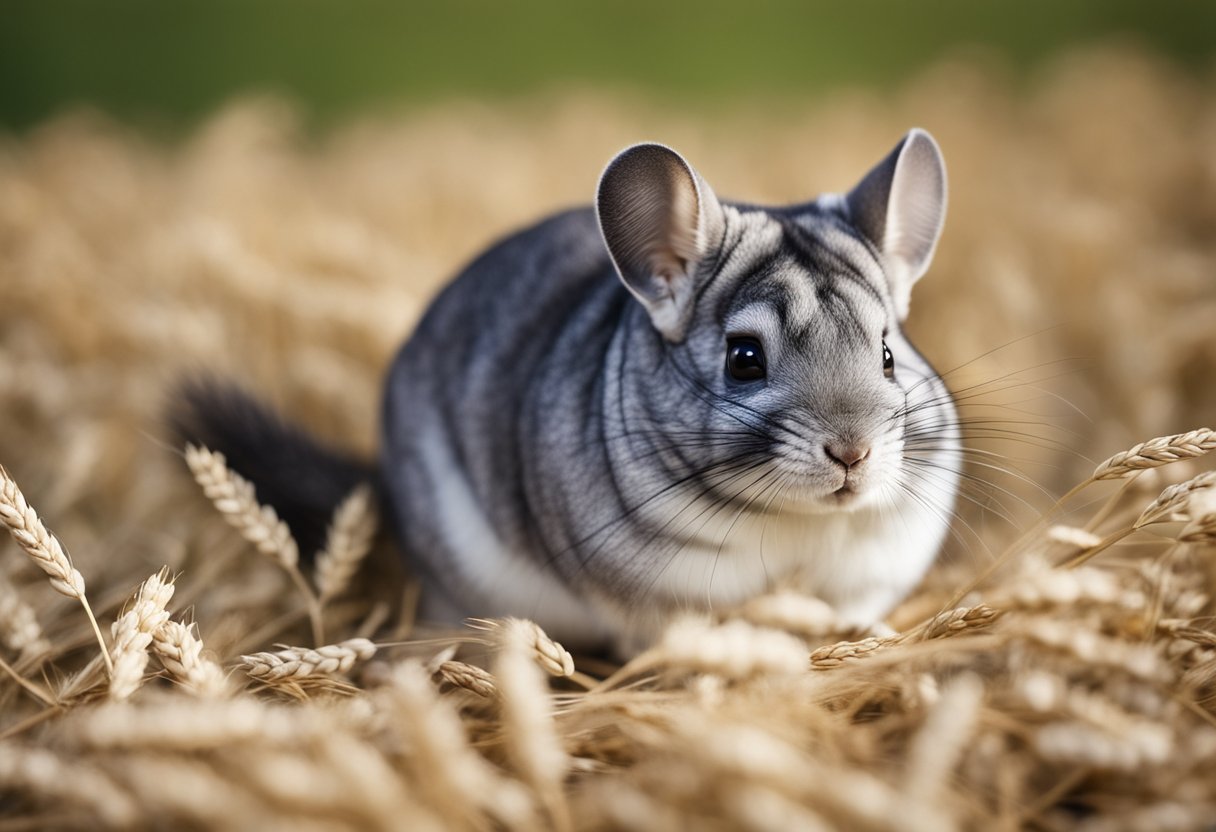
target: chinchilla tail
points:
(303, 479)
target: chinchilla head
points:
(769, 363)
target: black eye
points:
(888, 361)
(744, 359)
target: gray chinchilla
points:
(665, 402)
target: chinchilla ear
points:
(900, 206)
(660, 221)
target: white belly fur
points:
(862, 562)
(506, 582)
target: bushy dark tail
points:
(300, 477)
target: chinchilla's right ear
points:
(660, 221)
(900, 206)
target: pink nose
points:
(846, 455)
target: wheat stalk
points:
(19, 627)
(532, 742)
(758, 808)
(1073, 536)
(236, 499)
(180, 651)
(834, 655)
(734, 649)
(550, 655)
(1173, 498)
(132, 634)
(453, 776)
(305, 662)
(49, 777)
(943, 625)
(181, 792)
(44, 548)
(184, 724)
(1078, 743)
(1097, 650)
(794, 612)
(1048, 587)
(1201, 509)
(861, 747)
(1156, 452)
(956, 621)
(938, 746)
(348, 541)
(469, 677)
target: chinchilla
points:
(666, 402)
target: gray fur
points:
(560, 439)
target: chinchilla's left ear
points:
(900, 206)
(660, 221)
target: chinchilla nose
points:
(847, 454)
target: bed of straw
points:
(172, 661)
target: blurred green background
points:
(167, 63)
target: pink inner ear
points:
(668, 268)
(658, 219)
(916, 207)
(683, 225)
(676, 242)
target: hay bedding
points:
(1055, 672)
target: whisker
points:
(713, 508)
(738, 462)
(979, 485)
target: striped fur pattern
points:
(562, 441)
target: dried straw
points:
(1097, 711)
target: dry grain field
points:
(183, 669)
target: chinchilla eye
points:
(744, 359)
(888, 361)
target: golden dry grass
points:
(1053, 673)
